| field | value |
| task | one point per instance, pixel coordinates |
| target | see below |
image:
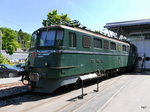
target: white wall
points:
(143, 47)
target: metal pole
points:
(97, 84)
(82, 90)
(0, 41)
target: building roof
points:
(129, 27)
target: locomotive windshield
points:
(51, 38)
(47, 38)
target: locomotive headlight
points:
(46, 64)
(34, 77)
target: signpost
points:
(86, 77)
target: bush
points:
(3, 59)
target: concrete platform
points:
(126, 93)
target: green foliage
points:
(11, 40)
(3, 59)
(54, 19)
(10, 49)
(24, 39)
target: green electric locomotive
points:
(60, 54)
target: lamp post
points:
(0, 41)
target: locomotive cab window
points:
(97, 43)
(124, 48)
(47, 38)
(113, 46)
(51, 38)
(72, 39)
(33, 40)
(86, 41)
(106, 44)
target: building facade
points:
(137, 32)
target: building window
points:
(86, 41)
(113, 46)
(97, 43)
(72, 39)
(123, 48)
(106, 44)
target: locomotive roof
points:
(87, 32)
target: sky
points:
(29, 14)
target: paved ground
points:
(125, 93)
(132, 97)
(9, 80)
(11, 86)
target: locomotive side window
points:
(47, 38)
(128, 48)
(72, 39)
(113, 46)
(124, 48)
(59, 37)
(119, 48)
(86, 41)
(106, 44)
(97, 43)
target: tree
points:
(24, 39)
(9, 40)
(10, 49)
(54, 19)
(3, 59)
